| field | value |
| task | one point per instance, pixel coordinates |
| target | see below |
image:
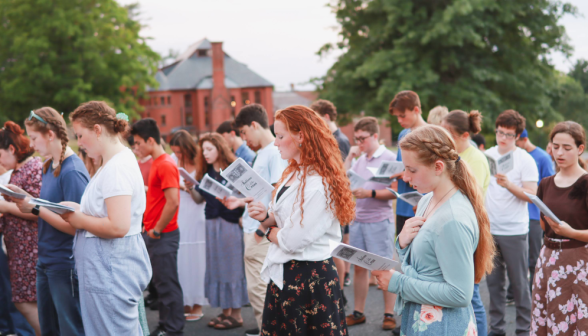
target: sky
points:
(279, 39)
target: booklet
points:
(503, 165)
(543, 208)
(387, 169)
(246, 180)
(10, 193)
(186, 176)
(411, 198)
(361, 258)
(382, 180)
(356, 180)
(55, 207)
(214, 187)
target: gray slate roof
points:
(190, 71)
(289, 98)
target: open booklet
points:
(503, 165)
(543, 208)
(10, 193)
(387, 169)
(362, 258)
(358, 181)
(411, 198)
(246, 180)
(186, 176)
(55, 207)
(214, 188)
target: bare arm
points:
(116, 225)
(519, 192)
(12, 209)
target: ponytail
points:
(462, 122)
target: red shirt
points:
(164, 174)
(145, 168)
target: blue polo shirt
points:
(55, 247)
(403, 208)
(245, 153)
(545, 167)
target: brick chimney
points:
(220, 98)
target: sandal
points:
(228, 323)
(193, 317)
(217, 320)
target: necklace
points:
(433, 208)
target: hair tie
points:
(122, 116)
(458, 159)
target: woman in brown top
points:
(560, 287)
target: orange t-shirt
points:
(164, 174)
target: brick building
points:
(202, 88)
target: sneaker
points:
(355, 318)
(347, 280)
(252, 332)
(158, 332)
(389, 322)
(510, 302)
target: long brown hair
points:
(319, 153)
(54, 122)
(189, 148)
(225, 156)
(12, 134)
(432, 143)
(576, 131)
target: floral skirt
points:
(424, 320)
(560, 292)
(309, 304)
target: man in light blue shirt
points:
(252, 123)
(239, 147)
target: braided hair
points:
(55, 123)
(432, 143)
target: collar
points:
(241, 148)
(378, 152)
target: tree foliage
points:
(488, 55)
(61, 53)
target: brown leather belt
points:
(563, 244)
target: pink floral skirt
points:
(560, 293)
(426, 320)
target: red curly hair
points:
(319, 153)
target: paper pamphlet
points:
(246, 180)
(10, 193)
(55, 207)
(361, 258)
(214, 188)
(411, 198)
(382, 180)
(186, 176)
(503, 165)
(543, 208)
(387, 169)
(356, 180)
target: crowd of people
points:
(142, 223)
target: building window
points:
(189, 119)
(206, 111)
(168, 100)
(188, 100)
(162, 101)
(257, 97)
(245, 96)
(202, 52)
(163, 120)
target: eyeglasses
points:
(506, 135)
(34, 115)
(361, 139)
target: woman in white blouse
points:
(312, 199)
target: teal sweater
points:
(438, 265)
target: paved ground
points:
(373, 327)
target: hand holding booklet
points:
(361, 258)
(246, 180)
(214, 187)
(543, 208)
(387, 169)
(10, 193)
(503, 165)
(55, 207)
(186, 176)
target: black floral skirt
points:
(310, 303)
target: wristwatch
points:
(260, 233)
(36, 210)
(373, 193)
(156, 234)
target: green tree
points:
(61, 53)
(488, 55)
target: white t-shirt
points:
(120, 176)
(270, 166)
(509, 215)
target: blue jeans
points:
(479, 311)
(11, 320)
(58, 300)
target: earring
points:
(299, 145)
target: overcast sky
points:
(278, 39)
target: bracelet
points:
(266, 217)
(268, 233)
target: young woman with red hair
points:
(311, 202)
